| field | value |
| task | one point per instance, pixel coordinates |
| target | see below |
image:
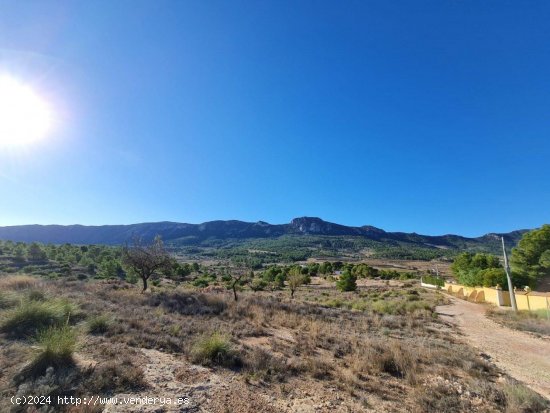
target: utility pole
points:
(510, 286)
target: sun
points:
(24, 116)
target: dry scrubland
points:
(381, 348)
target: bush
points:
(31, 316)
(214, 349)
(188, 304)
(347, 282)
(260, 364)
(258, 284)
(36, 295)
(57, 345)
(201, 282)
(115, 376)
(430, 279)
(98, 324)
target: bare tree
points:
(145, 259)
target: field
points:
(380, 348)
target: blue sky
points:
(426, 116)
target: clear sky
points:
(426, 116)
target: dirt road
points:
(522, 356)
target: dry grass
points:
(537, 322)
(18, 282)
(380, 345)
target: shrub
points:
(36, 295)
(347, 282)
(188, 304)
(430, 279)
(201, 282)
(258, 284)
(214, 349)
(98, 324)
(115, 376)
(260, 364)
(31, 316)
(57, 345)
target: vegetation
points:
(380, 345)
(347, 282)
(433, 280)
(214, 349)
(373, 336)
(98, 324)
(295, 280)
(30, 316)
(146, 260)
(479, 270)
(57, 345)
(537, 322)
(531, 257)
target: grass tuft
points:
(214, 349)
(29, 317)
(98, 324)
(56, 347)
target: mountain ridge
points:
(232, 229)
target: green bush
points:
(430, 279)
(214, 349)
(57, 345)
(201, 282)
(31, 316)
(347, 282)
(98, 324)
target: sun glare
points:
(24, 116)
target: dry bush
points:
(262, 365)
(114, 376)
(438, 399)
(188, 303)
(391, 357)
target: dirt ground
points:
(521, 355)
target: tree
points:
(35, 252)
(476, 270)
(531, 258)
(146, 260)
(294, 281)
(234, 280)
(347, 282)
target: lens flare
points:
(24, 116)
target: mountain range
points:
(194, 234)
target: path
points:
(522, 356)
